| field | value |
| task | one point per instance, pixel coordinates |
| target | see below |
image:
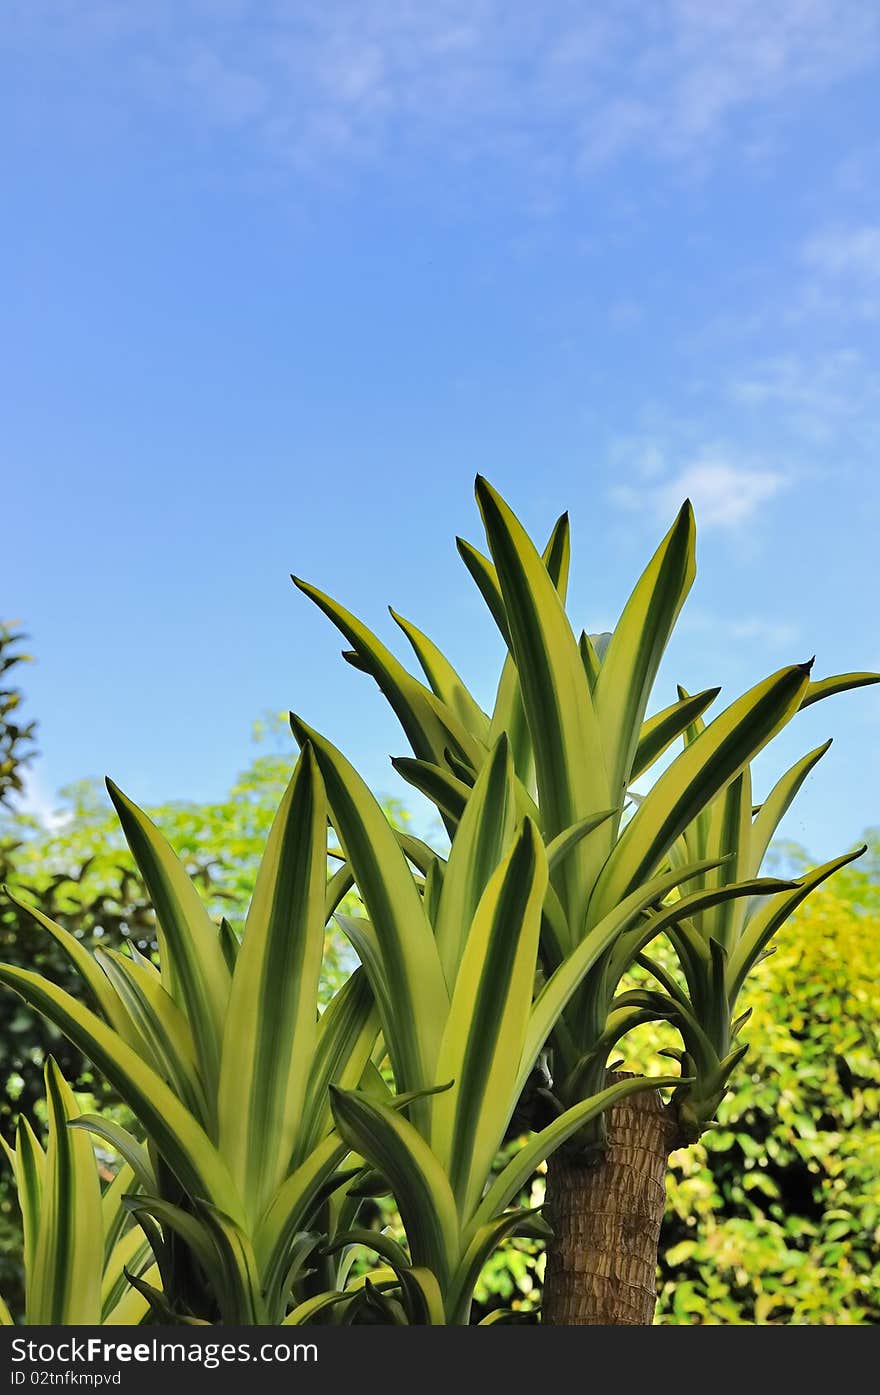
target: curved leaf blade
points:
(638, 641)
(706, 766)
(183, 1143)
(271, 1027)
(193, 963)
(64, 1286)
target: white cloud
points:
(774, 634)
(37, 800)
(590, 83)
(820, 397)
(723, 495)
(842, 274)
(851, 252)
(229, 97)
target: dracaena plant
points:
(222, 1058)
(451, 951)
(719, 947)
(79, 1244)
(575, 711)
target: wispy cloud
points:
(38, 801)
(723, 495)
(359, 77)
(770, 633)
(841, 274)
(830, 396)
(846, 252)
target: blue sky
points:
(279, 279)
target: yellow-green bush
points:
(776, 1217)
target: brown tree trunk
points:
(602, 1260)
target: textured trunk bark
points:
(602, 1260)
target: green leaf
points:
(559, 989)
(446, 791)
(293, 1207)
(630, 664)
(229, 943)
(706, 766)
(769, 918)
(158, 1029)
(376, 1240)
(840, 683)
(427, 725)
(486, 578)
(193, 964)
(89, 971)
(122, 1142)
(777, 804)
(420, 854)
(393, 1146)
(131, 1252)
(238, 1275)
(192, 1231)
(410, 959)
(347, 1032)
(114, 1213)
(485, 1241)
(559, 847)
(183, 1143)
(483, 1039)
(508, 714)
(569, 761)
(424, 1301)
(29, 1169)
(659, 731)
(64, 1286)
(271, 1027)
(730, 834)
(445, 682)
(485, 832)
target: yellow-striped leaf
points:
(192, 959)
(636, 647)
(271, 1027)
(569, 761)
(484, 834)
(692, 781)
(487, 1021)
(159, 1029)
(64, 1285)
(659, 732)
(393, 1146)
(445, 682)
(410, 960)
(183, 1143)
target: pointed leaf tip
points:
(484, 490)
(299, 728)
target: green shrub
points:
(775, 1217)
